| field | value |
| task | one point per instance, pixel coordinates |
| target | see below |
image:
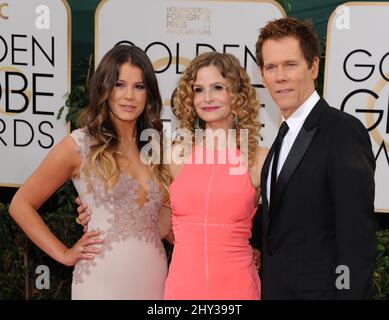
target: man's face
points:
(286, 75)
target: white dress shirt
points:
(295, 123)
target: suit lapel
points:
(296, 154)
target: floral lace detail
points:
(126, 217)
(83, 142)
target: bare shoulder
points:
(174, 169)
(66, 149)
(255, 170)
(260, 157)
(172, 158)
(62, 161)
(63, 155)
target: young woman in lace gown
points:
(122, 257)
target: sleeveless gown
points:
(132, 262)
(212, 214)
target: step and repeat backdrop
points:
(35, 65)
(172, 33)
(34, 81)
(357, 77)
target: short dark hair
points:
(290, 27)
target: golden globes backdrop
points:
(172, 33)
(35, 65)
(34, 81)
(357, 77)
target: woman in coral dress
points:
(213, 196)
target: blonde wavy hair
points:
(244, 103)
(96, 118)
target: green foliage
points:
(77, 99)
(381, 272)
(287, 5)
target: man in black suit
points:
(318, 226)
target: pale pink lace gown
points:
(212, 214)
(132, 263)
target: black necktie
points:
(280, 137)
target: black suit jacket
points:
(324, 212)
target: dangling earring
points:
(199, 123)
(236, 120)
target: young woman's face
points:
(212, 101)
(127, 99)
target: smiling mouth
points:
(210, 109)
(284, 91)
(128, 108)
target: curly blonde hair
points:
(244, 102)
(96, 118)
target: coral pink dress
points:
(212, 214)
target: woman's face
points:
(212, 101)
(128, 97)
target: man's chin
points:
(285, 107)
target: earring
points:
(199, 123)
(236, 120)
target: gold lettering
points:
(2, 15)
